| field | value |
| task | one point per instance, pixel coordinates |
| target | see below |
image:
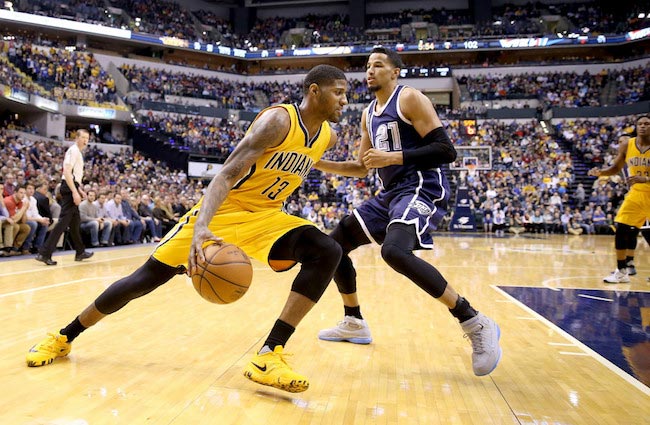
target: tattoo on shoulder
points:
(275, 126)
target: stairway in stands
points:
(609, 93)
(580, 168)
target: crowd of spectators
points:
(227, 94)
(173, 19)
(53, 72)
(19, 81)
(509, 20)
(71, 75)
(34, 167)
(155, 84)
(595, 141)
(166, 18)
(197, 134)
(91, 11)
(529, 189)
(563, 89)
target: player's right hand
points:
(201, 236)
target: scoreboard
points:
(468, 127)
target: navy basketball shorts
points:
(420, 201)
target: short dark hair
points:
(393, 57)
(641, 116)
(322, 75)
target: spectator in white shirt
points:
(37, 223)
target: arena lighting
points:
(46, 21)
(641, 15)
(462, 44)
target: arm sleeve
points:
(438, 150)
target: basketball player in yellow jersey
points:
(635, 154)
(243, 203)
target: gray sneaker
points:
(349, 329)
(484, 334)
(631, 270)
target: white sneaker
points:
(349, 329)
(618, 276)
(484, 334)
(631, 270)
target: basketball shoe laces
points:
(348, 325)
(282, 357)
(477, 340)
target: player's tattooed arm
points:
(267, 131)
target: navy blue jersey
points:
(389, 131)
(409, 195)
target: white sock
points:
(264, 350)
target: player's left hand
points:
(374, 158)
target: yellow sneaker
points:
(53, 346)
(271, 369)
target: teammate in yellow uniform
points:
(242, 203)
(635, 154)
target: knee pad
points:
(397, 249)
(319, 256)
(632, 239)
(396, 256)
(625, 236)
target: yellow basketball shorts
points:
(635, 208)
(254, 232)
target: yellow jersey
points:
(280, 170)
(638, 163)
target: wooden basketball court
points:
(173, 358)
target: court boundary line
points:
(55, 285)
(609, 365)
(65, 266)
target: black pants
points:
(69, 217)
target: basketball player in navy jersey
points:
(403, 138)
(243, 201)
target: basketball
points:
(225, 276)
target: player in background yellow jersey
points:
(243, 206)
(633, 153)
